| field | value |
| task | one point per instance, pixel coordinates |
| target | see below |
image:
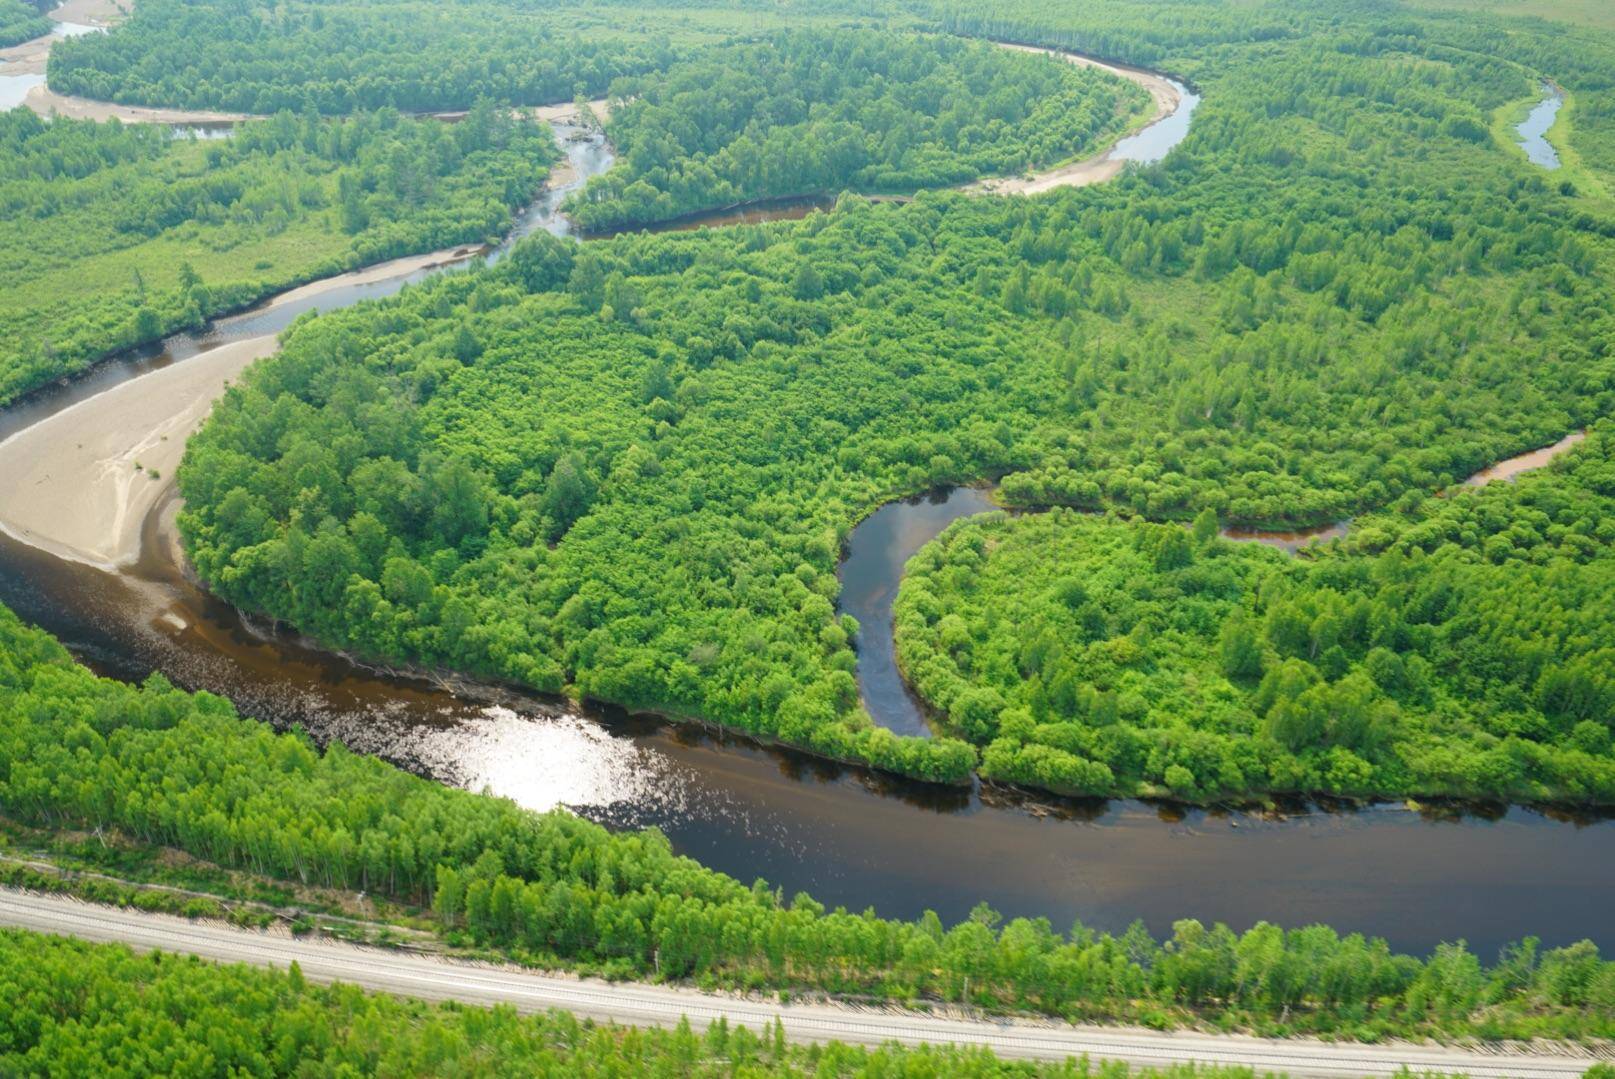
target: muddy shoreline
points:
(1168, 95)
(852, 836)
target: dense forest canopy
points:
(167, 768)
(842, 110)
(96, 1009)
(625, 470)
(1457, 648)
(118, 234)
(20, 22)
(342, 58)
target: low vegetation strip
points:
(101, 1008)
(167, 768)
(117, 235)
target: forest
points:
(844, 111)
(87, 1009)
(117, 234)
(1457, 647)
(339, 59)
(173, 769)
(625, 471)
(20, 22)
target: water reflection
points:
(877, 550)
(1154, 142)
(1533, 130)
(218, 129)
(1510, 469)
(14, 89)
(751, 213)
(74, 29)
(1291, 540)
(849, 836)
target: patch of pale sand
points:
(28, 58)
(561, 174)
(565, 112)
(70, 485)
(381, 271)
(91, 12)
(569, 113)
(47, 102)
(1090, 170)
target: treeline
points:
(1134, 31)
(807, 112)
(1457, 648)
(117, 235)
(98, 1009)
(626, 471)
(20, 22)
(175, 769)
(307, 56)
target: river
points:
(848, 836)
(881, 544)
(1533, 130)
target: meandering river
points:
(848, 836)
(1533, 130)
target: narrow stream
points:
(1533, 130)
(849, 836)
(877, 550)
(882, 543)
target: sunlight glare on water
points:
(545, 762)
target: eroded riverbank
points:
(847, 835)
(880, 546)
(1174, 105)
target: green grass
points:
(77, 258)
(114, 237)
(1592, 14)
(1572, 167)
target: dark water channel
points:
(849, 836)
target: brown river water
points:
(849, 836)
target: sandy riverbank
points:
(1090, 170)
(28, 58)
(47, 102)
(80, 483)
(381, 271)
(565, 112)
(91, 12)
(69, 485)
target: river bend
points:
(849, 836)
